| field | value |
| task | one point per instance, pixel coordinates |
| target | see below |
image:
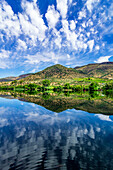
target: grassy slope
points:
(57, 74)
(56, 71)
(102, 70)
(7, 79)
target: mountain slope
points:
(56, 71)
(101, 70)
(7, 79)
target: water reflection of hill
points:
(59, 103)
(35, 138)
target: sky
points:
(35, 34)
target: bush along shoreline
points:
(46, 86)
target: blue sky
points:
(35, 34)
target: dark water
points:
(32, 137)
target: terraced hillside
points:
(7, 79)
(101, 70)
(56, 71)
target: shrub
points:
(67, 86)
(46, 82)
(93, 86)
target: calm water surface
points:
(32, 137)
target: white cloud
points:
(29, 32)
(4, 59)
(103, 59)
(37, 58)
(70, 2)
(72, 25)
(83, 24)
(4, 54)
(9, 23)
(90, 4)
(104, 117)
(82, 14)
(88, 34)
(75, 40)
(35, 28)
(52, 16)
(62, 6)
(46, 57)
(29, 22)
(111, 10)
(70, 35)
(58, 38)
(97, 47)
(21, 45)
(89, 23)
(91, 45)
(74, 3)
(33, 71)
(22, 72)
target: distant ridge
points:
(99, 70)
(56, 71)
(7, 79)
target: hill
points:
(56, 71)
(99, 70)
(7, 79)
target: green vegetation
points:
(93, 102)
(101, 70)
(14, 82)
(80, 85)
(93, 86)
(46, 82)
(60, 79)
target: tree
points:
(14, 82)
(45, 96)
(93, 86)
(21, 81)
(78, 88)
(32, 86)
(67, 86)
(46, 83)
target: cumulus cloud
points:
(31, 32)
(97, 47)
(70, 35)
(4, 54)
(21, 45)
(90, 4)
(48, 57)
(29, 23)
(9, 23)
(58, 38)
(4, 59)
(70, 2)
(52, 16)
(111, 10)
(44, 57)
(72, 25)
(82, 14)
(62, 6)
(35, 27)
(91, 45)
(103, 59)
